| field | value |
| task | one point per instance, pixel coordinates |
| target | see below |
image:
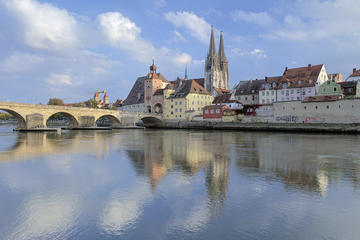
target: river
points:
(176, 184)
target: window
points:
(272, 93)
(193, 102)
(287, 92)
(212, 111)
(310, 81)
(292, 91)
(327, 107)
(315, 107)
(323, 89)
(335, 89)
(298, 91)
(245, 98)
(180, 109)
(172, 106)
(217, 110)
(206, 111)
(175, 109)
(267, 93)
(309, 91)
(180, 102)
(298, 98)
(263, 93)
(305, 107)
(175, 103)
(263, 101)
(282, 92)
(172, 113)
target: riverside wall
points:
(345, 111)
(258, 126)
(341, 116)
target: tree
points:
(56, 101)
(91, 103)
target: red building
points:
(214, 111)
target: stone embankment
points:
(284, 127)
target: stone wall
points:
(342, 111)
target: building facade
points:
(247, 92)
(268, 90)
(298, 83)
(135, 101)
(188, 97)
(216, 66)
(329, 88)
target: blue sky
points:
(68, 49)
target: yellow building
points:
(187, 97)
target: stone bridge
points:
(35, 116)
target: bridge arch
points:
(108, 120)
(20, 119)
(151, 121)
(73, 122)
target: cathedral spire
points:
(212, 48)
(222, 56)
(186, 75)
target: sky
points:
(70, 48)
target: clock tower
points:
(151, 84)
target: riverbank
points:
(282, 127)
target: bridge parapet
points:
(32, 116)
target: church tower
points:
(223, 65)
(216, 66)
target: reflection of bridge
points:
(33, 116)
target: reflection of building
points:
(163, 152)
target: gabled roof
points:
(225, 98)
(187, 87)
(136, 95)
(222, 91)
(301, 77)
(247, 87)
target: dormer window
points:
(310, 81)
(252, 91)
(299, 82)
(274, 85)
(285, 85)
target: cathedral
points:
(216, 66)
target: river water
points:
(175, 184)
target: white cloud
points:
(259, 53)
(59, 79)
(20, 62)
(255, 52)
(261, 18)
(315, 20)
(178, 36)
(43, 25)
(122, 33)
(195, 25)
(182, 59)
(118, 28)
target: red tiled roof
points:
(322, 98)
(301, 77)
(225, 98)
(222, 91)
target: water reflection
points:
(102, 184)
